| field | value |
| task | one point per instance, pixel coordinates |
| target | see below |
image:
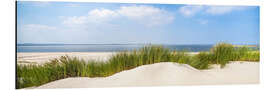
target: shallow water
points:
(100, 47)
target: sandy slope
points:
(168, 74)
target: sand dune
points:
(168, 73)
(158, 74)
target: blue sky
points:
(115, 23)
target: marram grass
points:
(65, 66)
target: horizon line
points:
(116, 44)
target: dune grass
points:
(65, 66)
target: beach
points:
(102, 45)
(158, 74)
(43, 57)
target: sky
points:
(116, 23)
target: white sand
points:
(43, 57)
(168, 73)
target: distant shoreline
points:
(25, 44)
(42, 57)
(104, 48)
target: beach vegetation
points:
(29, 75)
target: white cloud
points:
(217, 10)
(102, 13)
(190, 10)
(146, 15)
(138, 11)
(212, 10)
(38, 27)
(93, 16)
(75, 20)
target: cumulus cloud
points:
(38, 27)
(212, 10)
(75, 20)
(147, 15)
(217, 10)
(102, 13)
(138, 11)
(93, 16)
(190, 10)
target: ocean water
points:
(99, 47)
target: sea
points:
(100, 47)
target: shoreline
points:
(43, 57)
